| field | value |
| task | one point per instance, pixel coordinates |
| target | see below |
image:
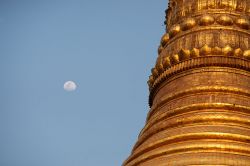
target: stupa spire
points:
(199, 88)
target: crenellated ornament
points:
(216, 51)
(246, 54)
(174, 30)
(164, 39)
(167, 61)
(175, 59)
(227, 50)
(160, 48)
(155, 72)
(206, 20)
(243, 23)
(184, 54)
(188, 23)
(195, 53)
(238, 52)
(225, 20)
(205, 50)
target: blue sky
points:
(106, 47)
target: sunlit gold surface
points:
(199, 88)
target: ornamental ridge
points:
(200, 28)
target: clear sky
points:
(107, 47)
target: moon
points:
(69, 86)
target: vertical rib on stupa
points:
(199, 88)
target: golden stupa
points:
(199, 88)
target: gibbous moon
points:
(69, 86)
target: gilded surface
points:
(199, 88)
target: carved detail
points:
(188, 24)
(227, 50)
(206, 20)
(184, 54)
(238, 52)
(174, 30)
(223, 61)
(225, 20)
(164, 39)
(195, 53)
(183, 9)
(166, 62)
(160, 48)
(246, 54)
(216, 51)
(205, 50)
(243, 23)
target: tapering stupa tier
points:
(199, 88)
(180, 10)
(198, 28)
